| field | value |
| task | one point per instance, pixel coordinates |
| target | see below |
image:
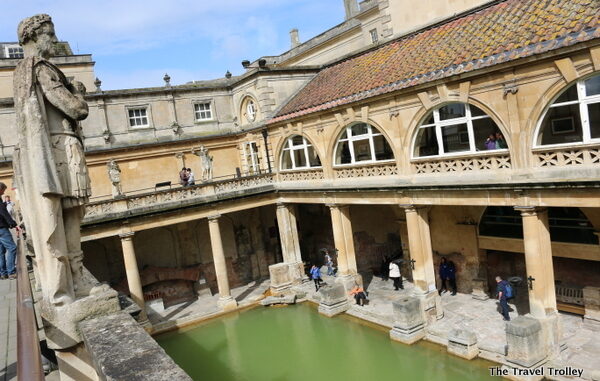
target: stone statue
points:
(207, 162)
(49, 163)
(114, 174)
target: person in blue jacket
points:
(315, 273)
(501, 289)
(447, 273)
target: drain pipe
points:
(265, 134)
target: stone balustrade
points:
(567, 156)
(366, 170)
(302, 175)
(485, 161)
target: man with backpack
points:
(505, 292)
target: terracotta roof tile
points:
(499, 33)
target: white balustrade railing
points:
(484, 162)
(562, 157)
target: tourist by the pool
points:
(315, 273)
(445, 275)
(396, 276)
(501, 289)
(359, 294)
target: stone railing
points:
(562, 157)
(175, 196)
(482, 162)
(571, 295)
(302, 175)
(366, 170)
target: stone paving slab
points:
(8, 330)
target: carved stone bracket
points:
(510, 87)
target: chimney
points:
(351, 7)
(294, 38)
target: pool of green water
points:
(295, 343)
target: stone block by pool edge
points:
(463, 343)
(409, 325)
(122, 351)
(333, 300)
(279, 275)
(525, 341)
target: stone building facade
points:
(471, 136)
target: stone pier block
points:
(349, 281)
(280, 278)
(431, 306)
(296, 273)
(591, 301)
(479, 287)
(463, 343)
(409, 325)
(526, 344)
(333, 300)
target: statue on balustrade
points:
(114, 174)
(49, 162)
(207, 164)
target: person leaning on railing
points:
(7, 244)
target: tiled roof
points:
(499, 33)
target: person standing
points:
(191, 180)
(444, 274)
(10, 206)
(502, 296)
(183, 176)
(396, 276)
(500, 142)
(451, 274)
(7, 244)
(315, 273)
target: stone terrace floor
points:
(8, 330)
(582, 348)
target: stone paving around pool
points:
(581, 349)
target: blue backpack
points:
(508, 290)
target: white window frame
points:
(438, 124)
(146, 108)
(289, 147)
(252, 158)
(7, 49)
(583, 100)
(374, 35)
(250, 109)
(209, 110)
(351, 138)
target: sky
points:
(135, 42)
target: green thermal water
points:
(295, 343)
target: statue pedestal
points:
(61, 322)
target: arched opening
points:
(361, 143)
(298, 153)
(573, 117)
(457, 128)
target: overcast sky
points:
(134, 42)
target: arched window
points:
(574, 117)
(457, 128)
(362, 143)
(298, 153)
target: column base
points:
(227, 303)
(407, 335)
(431, 303)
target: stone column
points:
(348, 238)
(133, 274)
(339, 239)
(290, 244)
(226, 302)
(538, 261)
(421, 255)
(419, 243)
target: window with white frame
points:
(374, 36)
(252, 158)
(250, 110)
(138, 117)
(574, 117)
(13, 51)
(202, 111)
(457, 128)
(298, 153)
(362, 143)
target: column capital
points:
(527, 211)
(282, 205)
(412, 208)
(127, 235)
(214, 218)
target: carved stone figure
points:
(114, 174)
(207, 163)
(49, 162)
